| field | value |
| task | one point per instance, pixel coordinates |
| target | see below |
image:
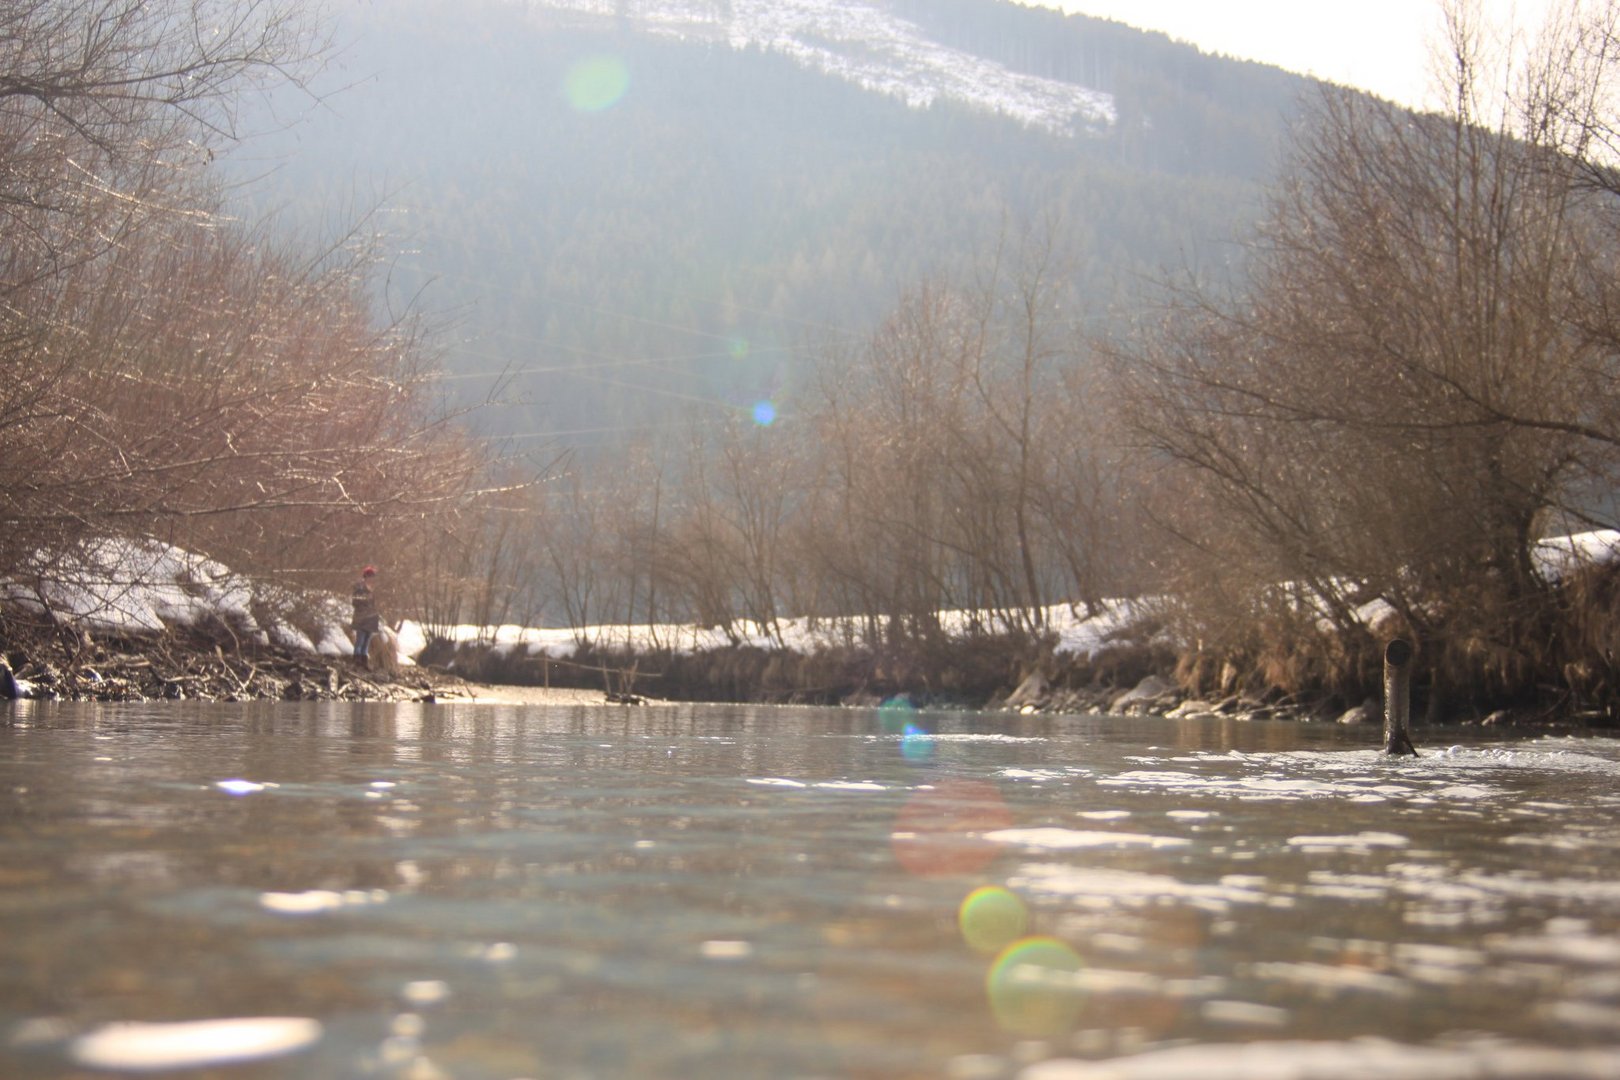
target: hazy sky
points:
(1377, 45)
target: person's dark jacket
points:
(365, 608)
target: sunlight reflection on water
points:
(500, 892)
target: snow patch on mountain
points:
(861, 42)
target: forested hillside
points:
(692, 242)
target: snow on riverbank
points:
(1556, 556)
(132, 587)
(122, 587)
(145, 586)
(1078, 634)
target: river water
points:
(478, 891)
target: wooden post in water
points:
(1398, 698)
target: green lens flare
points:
(596, 83)
(895, 715)
(1032, 987)
(992, 918)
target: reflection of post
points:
(1398, 698)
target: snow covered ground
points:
(145, 586)
(135, 586)
(1558, 555)
(116, 586)
(865, 44)
(1077, 634)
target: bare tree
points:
(103, 103)
(1404, 393)
(108, 111)
(165, 370)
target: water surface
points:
(332, 890)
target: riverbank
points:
(1134, 672)
(1009, 673)
(152, 667)
(207, 660)
(1133, 675)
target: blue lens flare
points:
(916, 743)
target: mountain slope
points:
(709, 208)
(865, 42)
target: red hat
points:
(369, 571)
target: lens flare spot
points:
(940, 831)
(764, 413)
(1032, 987)
(916, 744)
(992, 918)
(596, 83)
(738, 348)
(895, 715)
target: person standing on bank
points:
(366, 619)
